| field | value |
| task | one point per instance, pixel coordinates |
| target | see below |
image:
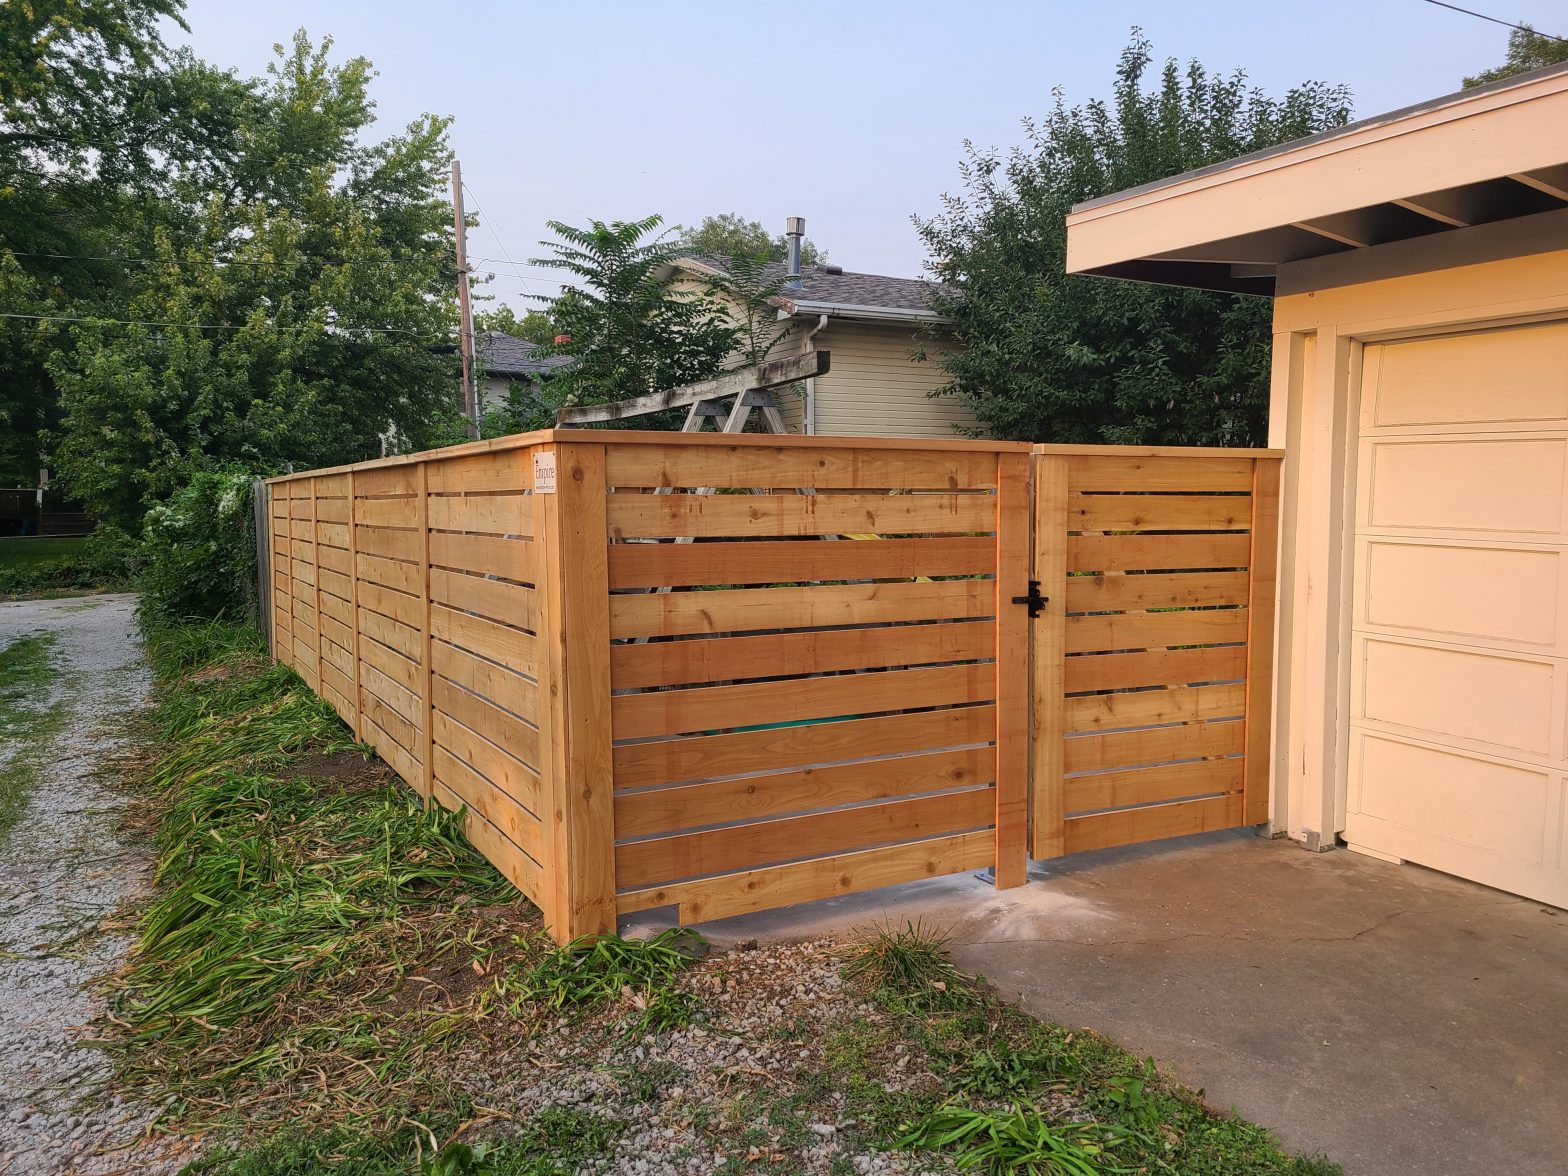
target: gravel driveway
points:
(64, 868)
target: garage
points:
(1458, 647)
(1418, 263)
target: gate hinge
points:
(1034, 600)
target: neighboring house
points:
(1418, 263)
(872, 325)
(502, 360)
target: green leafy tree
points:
(534, 326)
(731, 235)
(84, 113)
(632, 328)
(1527, 50)
(1050, 357)
(747, 292)
(296, 286)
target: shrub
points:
(197, 558)
(105, 560)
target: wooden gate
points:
(1152, 658)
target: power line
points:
(66, 318)
(506, 253)
(394, 261)
(1507, 24)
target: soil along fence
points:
(716, 672)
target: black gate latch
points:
(1034, 600)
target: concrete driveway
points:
(1398, 1020)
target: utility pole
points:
(465, 313)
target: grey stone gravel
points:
(764, 1018)
(65, 868)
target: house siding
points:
(875, 388)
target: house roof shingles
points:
(824, 287)
(501, 354)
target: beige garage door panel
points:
(1487, 804)
(1508, 487)
(1500, 379)
(1461, 593)
(1507, 704)
(1459, 681)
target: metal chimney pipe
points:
(794, 231)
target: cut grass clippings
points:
(329, 979)
(28, 720)
(283, 971)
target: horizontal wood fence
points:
(715, 673)
(1153, 664)
(727, 673)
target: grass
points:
(909, 968)
(28, 720)
(314, 924)
(597, 971)
(324, 959)
(52, 566)
(1038, 1098)
(32, 550)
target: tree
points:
(83, 114)
(295, 287)
(1050, 357)
(1527, 50)
(534, 326)
(747, 293)
(730, 235)
(632, 329)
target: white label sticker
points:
(544, 472)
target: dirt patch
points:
(349, 769)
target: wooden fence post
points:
(574, 640)
(1012, 670)
(315, 597)
(1261, 603)
(426, 670)
(353, 608)
(261, 509)
(1049, 655)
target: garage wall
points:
(1321, 336)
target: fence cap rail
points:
(670, 438)
(1153, 451)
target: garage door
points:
(1459, 680)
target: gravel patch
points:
(64, 870)
(705, 1098)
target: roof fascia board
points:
(1443, 147)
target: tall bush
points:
(1053, 357)
(198, 551)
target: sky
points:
(851, 113)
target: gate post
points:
(1012, 670)
(1048, 655)
(1262, 593)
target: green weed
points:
(909, 968)
(596, 971)
(1017, 1140)
(28, 720)
(1007, 1072)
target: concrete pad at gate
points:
(1399, 1020)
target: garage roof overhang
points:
(1494, 154)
